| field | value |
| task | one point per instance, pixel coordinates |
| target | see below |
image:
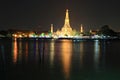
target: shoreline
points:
(27, 38)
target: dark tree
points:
(4, 33)
(105, 30)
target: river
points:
(40, 59)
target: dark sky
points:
(39, 14)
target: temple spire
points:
(51, 30)
(81, 28)
(66, 29)
(67, 19)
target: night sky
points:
(40, 14)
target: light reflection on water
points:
(20, 51)
(32, 51)
(81, 52)
(66, 52)
(26, 51)
(37, 52)
(15, 51)
(96, 53)
(63, 58)
(52, 53)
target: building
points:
(66, 30)
(81, 28)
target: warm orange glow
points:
(66, 56)
(15, 35)
(15, 50)
(20, 35)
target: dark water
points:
(33, 59)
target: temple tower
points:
(66, 29)
(81, 28)
(51, 30)
(67, 23)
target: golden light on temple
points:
(81, 28)
(67, 19)
(66, 30)
(51, 28)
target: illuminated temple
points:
(66, 30)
